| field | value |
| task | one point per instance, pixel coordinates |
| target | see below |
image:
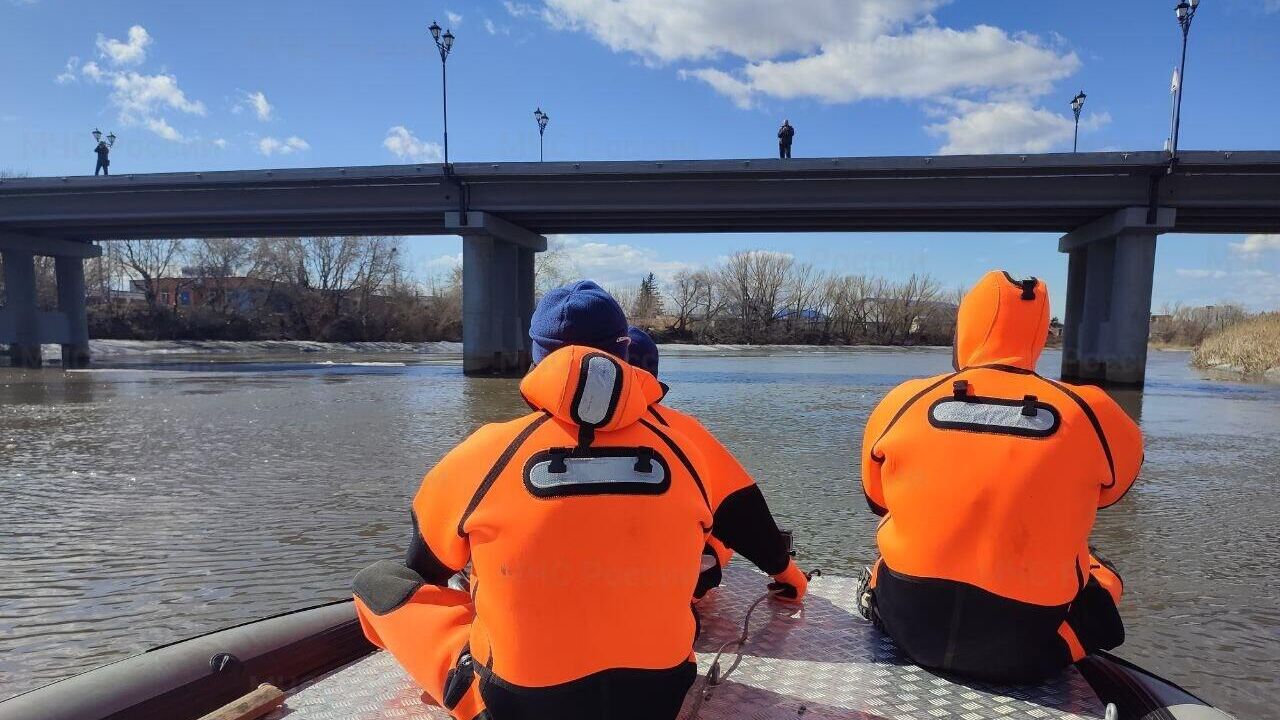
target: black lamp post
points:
(444, 44)
(1077, 103)
(1186, 12)
(542, 119)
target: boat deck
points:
(822, 662)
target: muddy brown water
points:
(151, 501)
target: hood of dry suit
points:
(585, 386)
(1002, 321)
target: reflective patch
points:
(597, 391)
(605, 471)
(995, 415)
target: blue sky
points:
(235, 84)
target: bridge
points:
(1110, 207)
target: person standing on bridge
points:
(785, 134)
(103, 150)
(584, 523)
(988, 479)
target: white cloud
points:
(929, 62)
(68, 74)
(1257, 244)
(406, 146)
(494, 29)
(1007, 127)
(220, 143)
(519, 9)
(161, 127)
(662, 31)
(140, 99)
(1201, 273)
(612, 264)
(837, 51)
(271, 146)
(722, 82)
(257, 101)
(440, 265)
(453, 17)
(130, 52)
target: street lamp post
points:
(444, 44)
(1077, 103)
(542, 119)
(1186, 12)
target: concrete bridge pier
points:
(1109, 277)
(24, 327)
(497, 292)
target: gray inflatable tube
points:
(193, 677)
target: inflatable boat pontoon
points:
(822, 662)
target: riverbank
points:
(116, 350)
(1250, 349)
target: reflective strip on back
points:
(595, 401)
(994, 415)
(594, 471)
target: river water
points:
(152, 500)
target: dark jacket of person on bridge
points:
(785, 134)
(584, 523)
(988, 479)
(104, 160)
(743, 521)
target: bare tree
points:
(686, 289)
(753, 283)
(554, 267)
(149, 260)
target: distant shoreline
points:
(123, 349)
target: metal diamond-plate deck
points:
(822, 662)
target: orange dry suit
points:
(988, 480)
(743, 522)
(584, 523)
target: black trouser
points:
(961, 628)
(101, 166)
(784, 150)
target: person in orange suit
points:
(583, 523)
(743, 522)
(988, 480)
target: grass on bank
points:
(1250, 346)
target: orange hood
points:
(1002, 321)
(588, 387)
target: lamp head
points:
(1182, 10)
(97, 135)
(111, 139)
(435, 31)
(448, 40)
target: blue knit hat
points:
(643, 351)
(581, 313)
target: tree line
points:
(341, 289)
(335, 289)
(762, 297)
